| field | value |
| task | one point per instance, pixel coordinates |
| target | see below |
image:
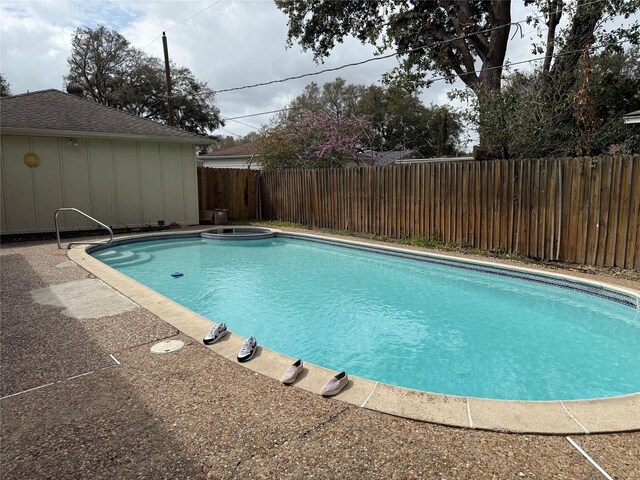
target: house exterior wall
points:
(122, 183)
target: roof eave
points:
(114, 136)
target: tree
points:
(336, 98)
(225, 142)
(447, 37)
(447, 127)
(584, 31)
(397, 119)
(437, 35)
(615, 91)
(525, 121)
(400, 121)
(5, 86)
(315, 140)
(113, 73)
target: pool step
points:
(113, 256)
(107, 254)
(127, 259)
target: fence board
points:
(543, 229)
(565, 183)
(580, 211)
(420, 190)
(515, 205)
(495, 209)
(485, 222)
(505, 181)
(409, 206)
(553, 189)
(634, 214)
(500, 204)
(477, 202)
(594, 213)
(613, 213)
(395, 218)
(416, 194)
(534, 199)
(400, 205)
(458, 215)
(623, 217)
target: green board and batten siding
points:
(123, 183)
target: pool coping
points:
(561, 417)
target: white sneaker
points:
(248, 349)
(335, 384)
(216, 333)
(292, 372)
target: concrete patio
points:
(83, 397)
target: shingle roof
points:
(246, 149)
(53, 111)
(381, 159)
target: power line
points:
(181, 22)
(296, 77)
(263, 113)
(229, 131)
(241, 123)
(531, 60)
(384, 57)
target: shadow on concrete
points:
(88, 427)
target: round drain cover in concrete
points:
(167, 346)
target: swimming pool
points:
(434, 325)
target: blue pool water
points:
(400, 321)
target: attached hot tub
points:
(238, 233)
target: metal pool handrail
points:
(69, 209)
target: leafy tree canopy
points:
(430, 32)
(114, 73)
(224, 142)
(5, 87)
(316, 139)
(448, 37)
(396, 119)
(588, 120)
(400, 121)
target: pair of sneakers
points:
(332, 387)
(219, 331)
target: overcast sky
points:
(227, 43)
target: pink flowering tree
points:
(315, 140)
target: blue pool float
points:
(177, 274)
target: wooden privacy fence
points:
(230, 188)
(582, 210)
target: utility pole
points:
(167, 71)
